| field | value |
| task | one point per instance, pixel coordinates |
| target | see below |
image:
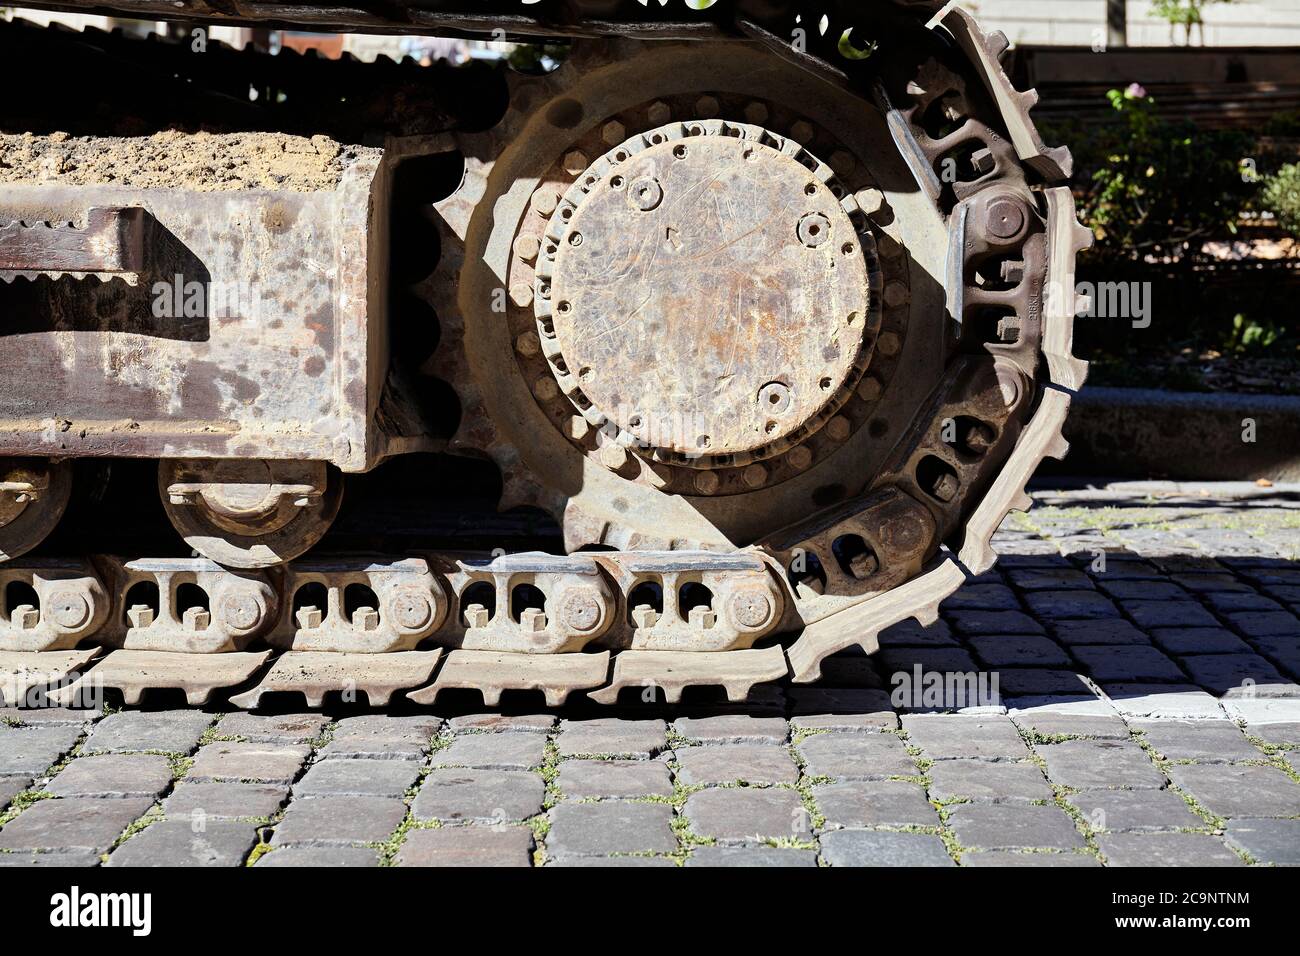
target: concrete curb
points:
(1147, 433)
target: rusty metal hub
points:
(703, 296)
(708, 296)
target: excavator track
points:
(746, 560)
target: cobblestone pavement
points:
(1146, 652)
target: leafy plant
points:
(1249, 335)
(1184, 13)
(1281, 196)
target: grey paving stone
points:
(1147, 614)
(1198, 640)
(994, 622)
(323, 820)
(1019, 859)
(173, 731)
(248, 762)
(1265, 623)
(1212, 583)
(910, 633)
(1105, 631)
(1047, 724)
(987, 780)
(1267, 841)
(736, 763)
(417, 729)
(64, 859)
(177, 843)
(733, 729)
(960, 735)
(1231, 791)
(1263, 710)
(468, 846)
(1143, 590)
(273, 728)
(1100, 764)
(847, 723)
(113, 775)
(1205, 740)
(479, 796)
(1071, 605)
(493, 752)
(612, 826)
(1165, 849)
(1048, 579)
(343, 777)
(748, 814)
(48, 716)
(832, 708)
(33, 750)
(1234, 601)
(856, 755)
(849, 671)
(895, 661)
(1118, 810)
(10, 787)
(1019, 650)
(748, 856)
(612, 735)
(84, 823)
(528, 723)
(874, 803)
(1176, 701)
(1019, 682)
(1008, 826)
(1285, 735)
(1132, 663)
(312, 856)
(376, 748)
(882, 848)
(1238, 674)
(581, 779)
(225, 801)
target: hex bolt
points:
(707, 107)
(775, 398)
(577, 428)
(527, 247)
(532, 620)
(521, 293)
(755, 476)
(581, 609)
(365, 619)
(945, 487)
(613, 133)
(613, 455)
(982, 161)
(1006, 218)
(644, 616)
(309, 618)
(843, 162)
(799, 457)
(476, 616)
(751, 608)
(25, 617)
(1012, 272)
(756, 112)
(864, 564)
(896, 294)
(411, 610)
(645, 193)
(545, 200)
(196, 619)
(528, 344)
(870, 201)
(243, 612)
(659, 113)
(575, 162)
(545, 388)
(838, 428)
(68, 609)
(701, 618)
(814, 229)
(140, 615)
(802, 132)
(889, 343)
(869, 388)
(707, 482)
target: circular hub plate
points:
(710, 297)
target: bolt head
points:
(528, 344)
(545, 388)
(521, 293)
(545, 200)
(575, 162)
(814, 229)
(802, 132)
(799, 457)
(843, 162)
(707, 107)
(775, 398)
(751, 608)
(577, 428)
(68, 609)
(581, 610)
(613, 133)
(889, 343)
(412, 610)
(755, 476)
(659, 113)
(1006, 218)
(756, 113)
(527, 247)
(707, 482)
(645, 193)
(896, 294)
(870, 201)
(869, 389)
(838, 428)
(613, 455)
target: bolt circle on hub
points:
(685, 316)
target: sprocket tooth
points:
(1065, 238)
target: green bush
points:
(1281, 197)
